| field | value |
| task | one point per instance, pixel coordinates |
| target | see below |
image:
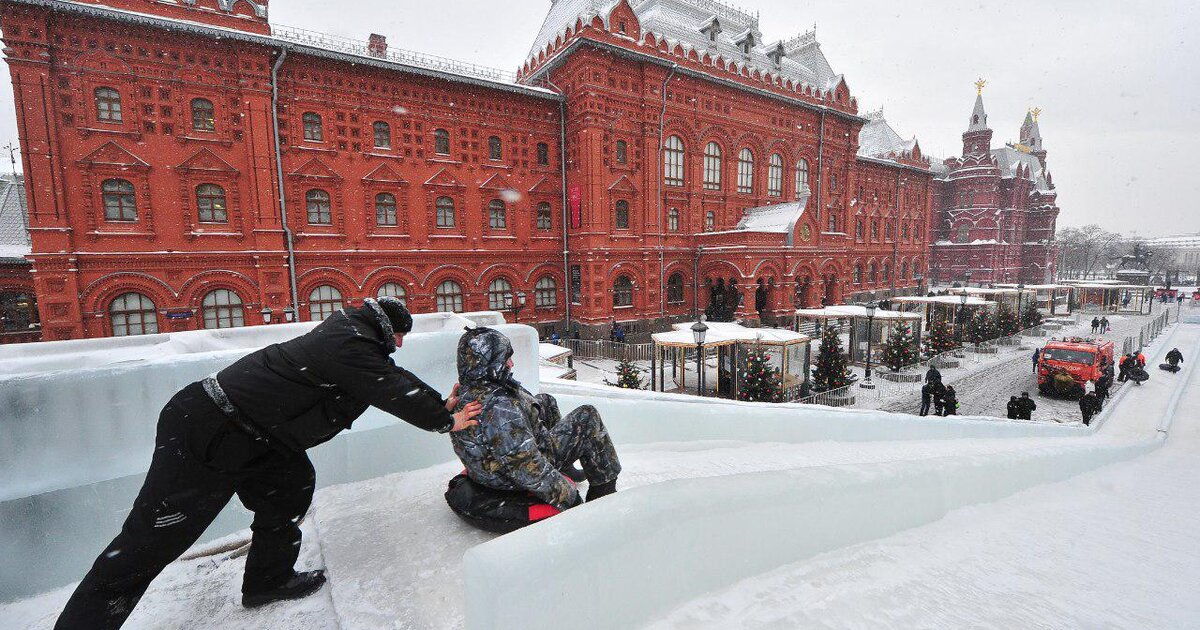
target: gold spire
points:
(979, 85)
(1036, 111)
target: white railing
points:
(840, 397)
(610, 350)
(355, 47)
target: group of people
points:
(246, 429)
(1100, 325)
(1021, 408)
(937, 396)
(1133, 368)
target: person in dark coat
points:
(933, 375)
(939, 398)
(1127, 362)
(950, 402)
(1104, 325)
(1089, 406)
(1027, 407)
(1037, 355)
(522, 444)
(1095, 324)
(1174, 357)
(1014, 408)
(1103, 387)
(926, 398)
(245, 431)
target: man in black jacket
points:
(245, 431)
(926, 398)
(1026, 408)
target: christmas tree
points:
(760, 381)
(1032, 315)
(898, 350)
(981, 326)
(1007, 323)
(940, 338)
(629, 376)
(831, 372)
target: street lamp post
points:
(266, 314)
(1020, 294)
(867, 384)
(962, 315)
(699, 330)
(968, 274)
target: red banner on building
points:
(575, 198)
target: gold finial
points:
(979, 85)
(1036, 111)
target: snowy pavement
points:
(1114, 548)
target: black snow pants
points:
(925, 402)
(200, 461)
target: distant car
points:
(1065, 367)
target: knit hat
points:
(401, 321)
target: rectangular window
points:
(576, 285)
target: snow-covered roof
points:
(552, 352)
(1185, 241)
(1008, 159)
(978, 115)
(943, 299)
(724, 333)
(778, 219)
(877, 139)
(984, 291)
(14, 232)
(853, 310)
(689, 23)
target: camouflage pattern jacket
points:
(507, 451)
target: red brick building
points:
(996, 209)
(191, 165)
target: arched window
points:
(801, 177)
(874, 273)
(833, 182)
(108, 105)
(441, 142)
(621, 217)
(859, 229)
(673, 220)
(875, 229)
(673, 161)
(383, 135)
(712, 166)
(120, 203)
(904, 230)
(543, 154)
(675, 288)
(495, 149)
(916, 269)
(858, 274)
(133, 314)
(323, 302)
(385, 209)
(964, 233)
(393, 289)
(204, 115)
(903, 270)
(449, 297)
(745, 183)
(314, 131)
(710, 221)
(497, 215)
(622, 152)
(833, 222)
(887, 273)
(223, 309)
(545, 293)
(445, 212)
(623, 292)
(210, 204)
(775, 176)
(545, 217)
(500, 295)
(319, 210)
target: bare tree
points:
(1085, 252)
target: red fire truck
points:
(1065, 366)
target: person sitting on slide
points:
(516, 457)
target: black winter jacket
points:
(305, 391)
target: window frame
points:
(623, 288)
(211, 198)
(199, 122)
(497, 209)
(622, 152)
(675, 290)
(401, 293)
(441, 142)
(775, 176)
(545, 293)
(544, 211)
(323, 206)
(230, 313)
(543, 154)
(381, 130)
(674, 156)
(500, 294)
(108, 107)
(621, 215)
(442, 211)
(123, 199)
(745, 180)
(314, 127)
(147, 313)
(713, 158)
(448, 293)
(673, 220)
(495, 148)
(802, 175)
(382, 203)
(324, 302)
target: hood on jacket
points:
(482, 357)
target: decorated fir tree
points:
(830, 372)
(1032, 315)
(899, 351)
(629, 376)
(761, 382)
(940, 338)
(981, 326)
(1007, 323)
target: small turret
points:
(1031, 135)
(977, 141)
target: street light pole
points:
(867, 384)
(699, 330)
(962, 315)
(1020, 294)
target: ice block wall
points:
(75, 443)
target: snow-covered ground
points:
(1112, 548)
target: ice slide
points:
(392, 548)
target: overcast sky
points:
(1118, 82)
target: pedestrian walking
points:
(245, 431)
(1027, 407)
(1095, 324)
(926, 398)
(1089, 406)
(1013, 408)
(1037, 355)
(1104, 325)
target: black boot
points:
(595, 491)
(574, 473)
(299, 586)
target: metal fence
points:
(840, 397)
(611, 350)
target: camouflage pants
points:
(580, 436)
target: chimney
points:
(377, 45)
